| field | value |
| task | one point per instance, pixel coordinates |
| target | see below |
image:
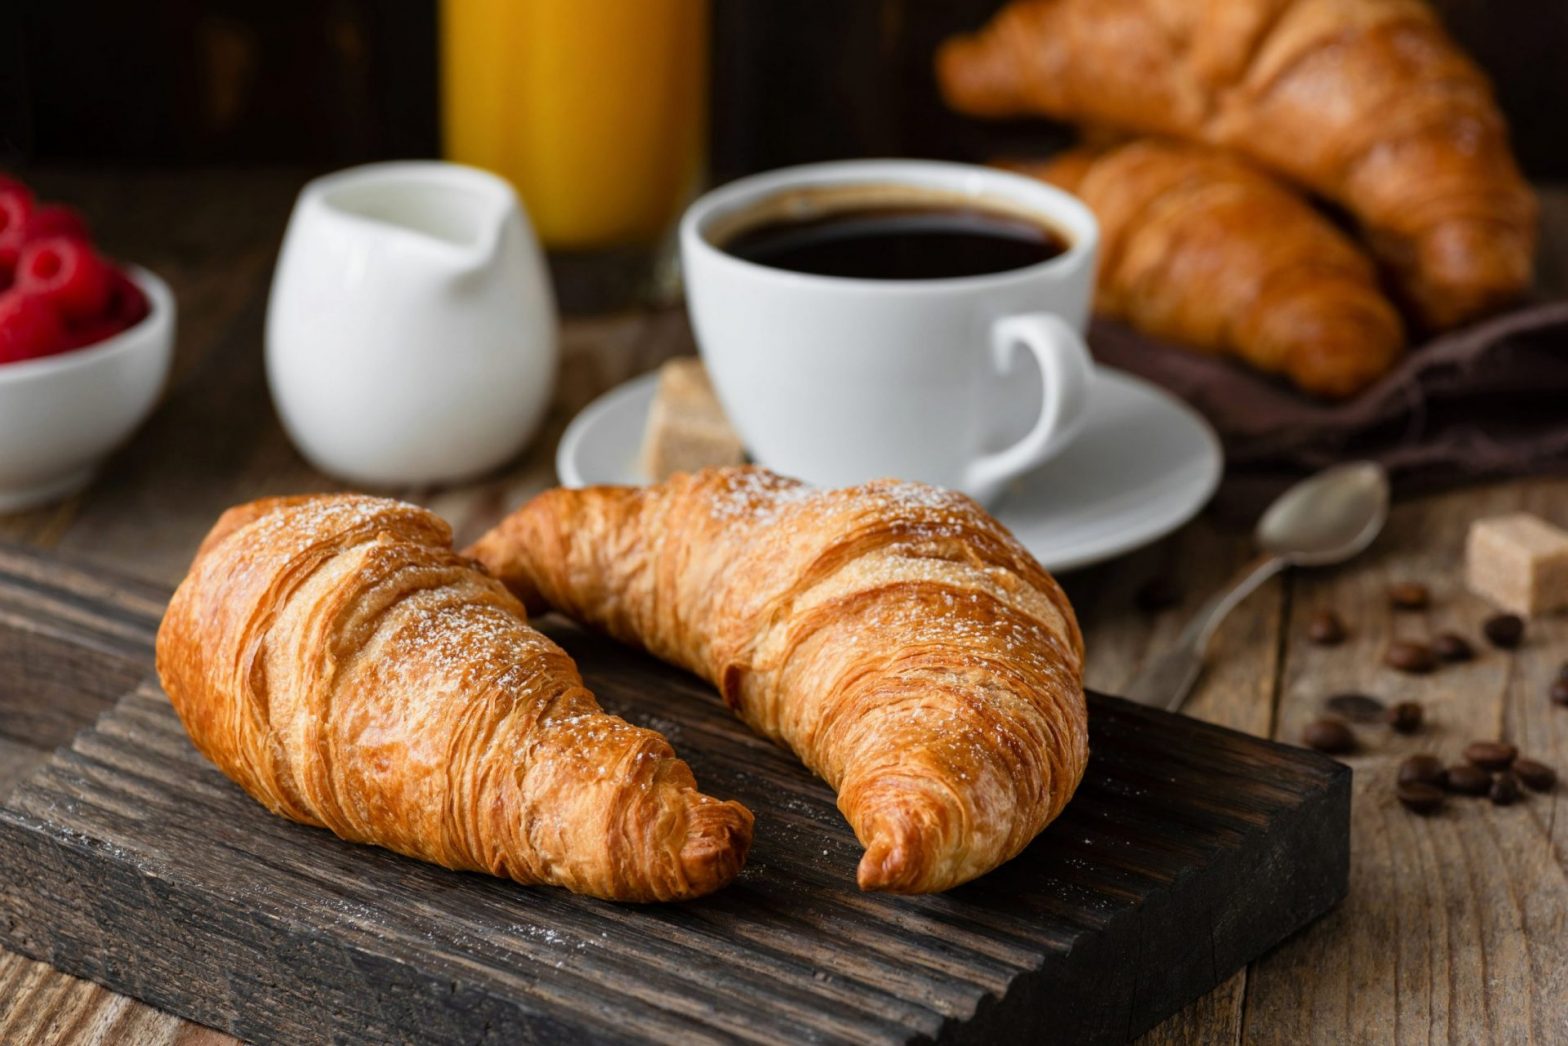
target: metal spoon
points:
(1324, 519)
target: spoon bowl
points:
(1327, 518)
(1324, 519)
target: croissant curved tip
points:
(971, 81)
(903, 849)
(718, 836)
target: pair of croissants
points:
(337, 659)
(1207, 240)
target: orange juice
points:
(596, 110)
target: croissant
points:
(336, 659)
(1367, 102)
(1205, 250)
(892, 635)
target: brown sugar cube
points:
(1519, 562)
(687, 429)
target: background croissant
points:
(1202, 248)
(345, 667)
(892, 635)
(1367, 102)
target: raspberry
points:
(67, 274)
(126, 308)
(127, 304)
(55, 219)
(29, 328)
(91, 332)
(16, 206)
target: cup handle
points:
(1065, 371)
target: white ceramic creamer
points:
(411, 332)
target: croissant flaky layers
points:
(1366, 102)
(335, 658)
(892, 635)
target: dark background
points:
(334, 82)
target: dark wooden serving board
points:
(128, 859)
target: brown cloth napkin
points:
(1484, 402)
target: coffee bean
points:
(1409, 595)
(1562, 672)
(1358, 708)
(1420, 798)
(1422, 769)
(1505, 789)
(1405, 717)
(1329, 735)
(1157, 594)
(1409, 656)
(1467, 779)
(1559, 692)
(1491, 755)
(1504, 630)
(1451, 646)
(1537, 776)
(1325, 628)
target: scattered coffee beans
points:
(1420, 798)
(1157, 594)
(1559, 692)
(1505, 789)
(1409, 595)
(1358, 708)
(1467, 779)
(1504, 630)
(1423, 769)
(1325, 628)
(1538, 777)
(1405, 717)
(1410, 656)
(1451, 646)
(1491, 755)
(1329, 735)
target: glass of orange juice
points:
(595, 110)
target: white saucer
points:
(1144, 464)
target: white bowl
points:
(60, 416)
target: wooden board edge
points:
(356, 994)
(1313, 837)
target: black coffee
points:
(900, 243)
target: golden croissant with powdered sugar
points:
(893, 635)
(336, 659)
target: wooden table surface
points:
(1454, 929)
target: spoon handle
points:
(1166, 681)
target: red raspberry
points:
(16, 206)
(56, 219)
(127, 304)
(67, 274)
(127, 307)
(29, 328)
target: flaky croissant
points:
(1368, 102)
(893, 635)
(1203, 249)
(336, 659)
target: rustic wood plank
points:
(1453, 928)
(39, 1004)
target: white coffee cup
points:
(963, 382)
(411, 332)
